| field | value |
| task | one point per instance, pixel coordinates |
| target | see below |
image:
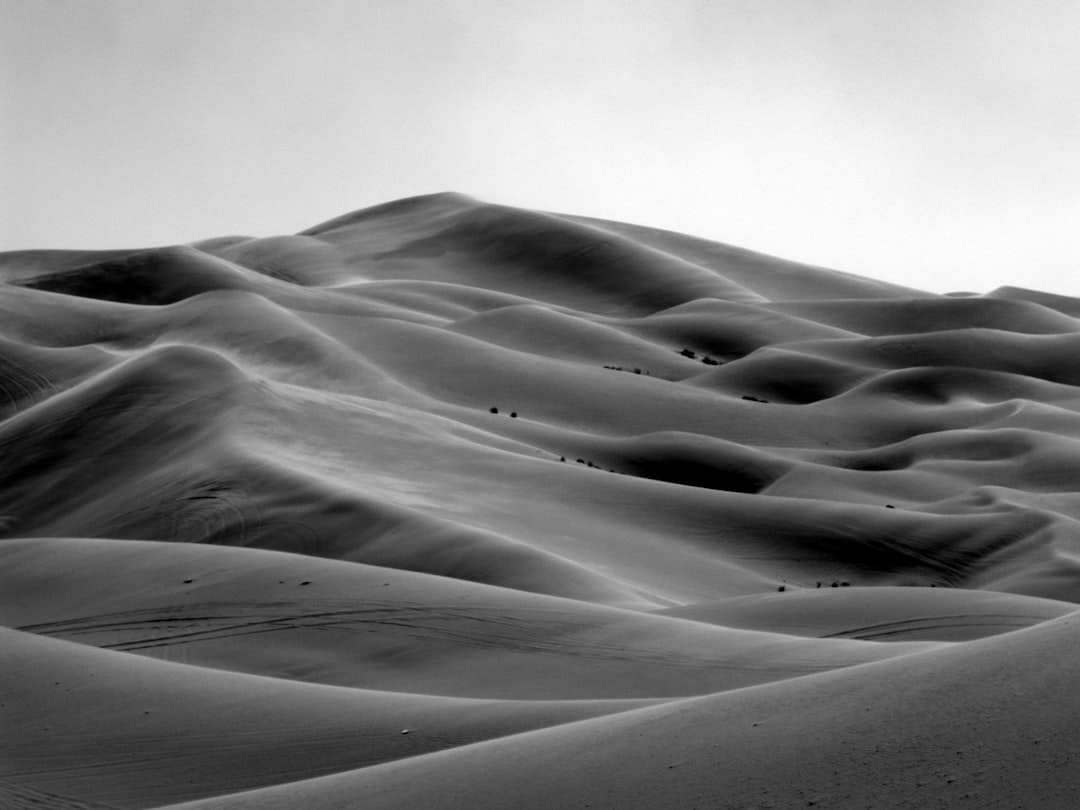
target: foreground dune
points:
(447, 504)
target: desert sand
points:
(449, 504)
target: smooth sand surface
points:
(449, 504)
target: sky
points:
(931, 143)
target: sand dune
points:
(449, 504)
(914, 732)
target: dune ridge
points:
(445, 503)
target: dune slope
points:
(443, 503)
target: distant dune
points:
(449, 504)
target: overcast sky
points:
(934, 143)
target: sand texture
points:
(449, 504)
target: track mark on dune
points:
(14, 796)
(20, 380)
(920, 626)
(531, 632)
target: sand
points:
(449, 504)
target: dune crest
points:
(445, 503)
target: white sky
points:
(934, 143)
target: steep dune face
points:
(518, 499)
